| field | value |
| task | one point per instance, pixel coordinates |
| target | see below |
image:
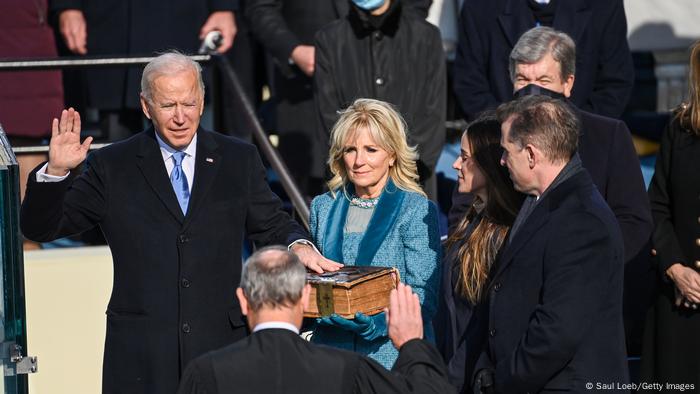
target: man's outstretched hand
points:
(65, 150)
(313, 260)
(404, 316)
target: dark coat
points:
(555, 299)
(174, 277)
(607, 152)
(401, 62)
(30, 99)
(279, 361)
(280, 26)
(671, 344)
(460, 327)
(136, 27)
(490, 28)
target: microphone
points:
(211, 42)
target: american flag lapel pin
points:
(209, 160)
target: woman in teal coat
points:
(375, 214)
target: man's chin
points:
(179, 140)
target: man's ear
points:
(144, 107)
(569, 85)
(532, 155)
(305, 294)
(242, 301)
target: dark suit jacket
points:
(490, 28)
(174, 277)
(607, 152)
(555, 299)
(279, 361)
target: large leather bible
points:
(351, 290)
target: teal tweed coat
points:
(402, 233)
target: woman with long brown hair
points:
(472, 248)
(671, 352)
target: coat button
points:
(185, 282)
(379, 81)
(497, 286)
(697, 264)
(378, 35)
(186, 328)
(653, 252)
(697, 241)
(183, 238)
(492, 332)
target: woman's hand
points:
(368, 328)
(687, 282)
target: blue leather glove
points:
(367, 327)
(375, 326)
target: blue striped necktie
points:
(179, 181)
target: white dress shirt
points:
(187, 162)
(276, 324)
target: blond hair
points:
(388, 130)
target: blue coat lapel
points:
(385, 215)
(333, 245)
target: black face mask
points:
(532, 90)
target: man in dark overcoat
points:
(286, 29)
(555, 292)
(173, 203)
(490, 28)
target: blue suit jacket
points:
(402, 233)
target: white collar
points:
(167, 151)
(276, 324)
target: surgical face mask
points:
(368, 5)
(532, 89)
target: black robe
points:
(279, 361)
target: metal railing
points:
(241, 103)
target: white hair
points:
(168, 63)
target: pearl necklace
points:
(366, 203)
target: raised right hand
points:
(404, 316)
(73, 28)
(65, 150)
